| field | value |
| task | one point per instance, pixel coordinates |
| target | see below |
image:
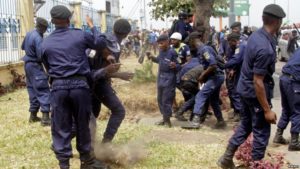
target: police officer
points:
(233, 67)
(166, 80)
(211, 79)
(189, 28)
(36, 78)
(289, 88)
(63, 54)
(180, 25)
(102, 91)
(256, 88)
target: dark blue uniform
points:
(102, 91)
(211, 89)
(63, 53)
(36, 78)
(234, 62)
(260, 58)
(290, 98)
(181, 28)
(166, 81)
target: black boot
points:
(226, 160)
(64, 164)
(221, 124)
(194, 124)
(46, 119)
(179, 115)
(33, 117)
(295, 143)
(279, 138)
(167, 122)
(92, 163)
(106, 140)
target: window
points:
(108, 7)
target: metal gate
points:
(10, 36)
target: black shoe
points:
(167, 122)
(33, 117)
(194, 124)
(93, 164)
(221, 124)
(226, 160)
(295, 143)
(279, 139)
(46, 121)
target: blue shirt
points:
(181, 28)
(63, 52)
(236, 60)
(152, 38)
(166, 75)
(208, 57)
(292, 67)
(259, 59)
(32, 46)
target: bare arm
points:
(260, 92)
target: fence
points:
(10, 37)
(10, 18)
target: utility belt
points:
(73, 77)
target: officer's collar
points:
(268, 35)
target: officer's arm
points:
(38, 48)
(94, 41)
(261, 92)
(209, 71)
(237, 58)
(23, 44)
(43, 58)
(261, 65)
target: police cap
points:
(233, 36)
(162, 37)
(122, 26)
(195, 35)
(41, 22)
(274, 11)
(60, 12)
(236, 24)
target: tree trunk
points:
(203, 12)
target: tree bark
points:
(203, 12)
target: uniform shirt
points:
(259, 58)
(166, 75)
(292, 67)
(236, 60)
(181, 28)
(188, 28)
(187, 67)
(32, 46)
(208, 57)
(183, 51)
(193, 74)
(63, 52)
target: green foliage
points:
(145, 74)
(162, 8)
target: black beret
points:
(60, 12)
(274, 10)
(233, 36)
(194, 35)
(41, 22)
(122, 26)
(236, 24)
(162, 37)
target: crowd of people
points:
(79, 67)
